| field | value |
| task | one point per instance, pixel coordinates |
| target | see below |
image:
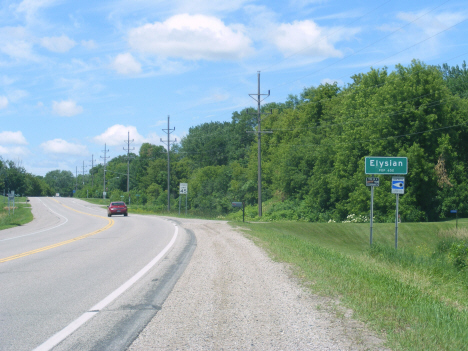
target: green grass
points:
(22, 213)
(415, 296)
(162, 211)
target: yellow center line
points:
(45, 248)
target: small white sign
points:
(183, 188)
(398, 185)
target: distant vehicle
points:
(57, 194)
(116, 208)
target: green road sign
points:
(386, 165)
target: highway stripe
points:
(45, 248)
(77, 323)
(43, 230)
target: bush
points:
(458, 254)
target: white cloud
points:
(31, 7)
(12, 138)
(89, 44)
(60, 146)
(431, 24)
(209, 6)
(3, 102)
(14, 152)
(17, 95)
(66, 108)
(60, 44)
(126, 64)
(308, 39)
(16, 43)
(422, 27)
(192, 38)
(117, 134)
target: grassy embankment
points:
(417, 295)
(22, 213)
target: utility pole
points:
(128, 141)
(168, 131)
(76, 179)
(105, 161)
(259, 139)
(92, 166)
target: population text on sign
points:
(386, 165)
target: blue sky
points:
(75, 75)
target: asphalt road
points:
(74, 279)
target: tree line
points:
(313, 159)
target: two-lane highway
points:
(70, 277)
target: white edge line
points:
(68, 330)
(43, 230)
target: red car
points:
(117, 208)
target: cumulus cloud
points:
(196, 37)
(58, 44)
(3, 102)
(12, 138)
(60, 146)
(126, 64)
(117, 134)
(16, 43)
(308, 39)
(13, 152)
(66, 108)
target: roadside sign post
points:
(372, 182)
(240, 204)
(11, 197)
(393, 166)
(183, 189)
(456, 216)
(398, 187)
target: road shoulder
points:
(233, 296)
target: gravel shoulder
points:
(232, 296)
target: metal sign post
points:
(456, 216)
(398, 187)
(372, 182)
(11, 197)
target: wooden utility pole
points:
(168, 131)
(259, 141)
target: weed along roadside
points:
(21, 214)
(416, 296)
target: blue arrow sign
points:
(398, 185)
